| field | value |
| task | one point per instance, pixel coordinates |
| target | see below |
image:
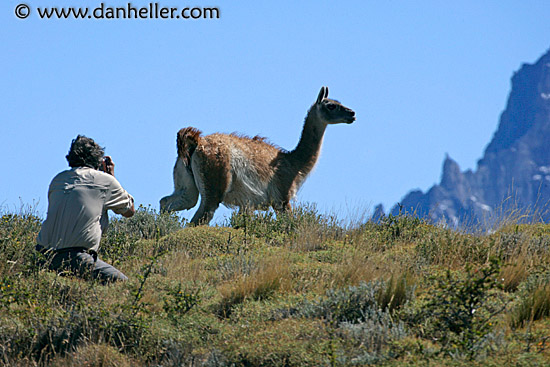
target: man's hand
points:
(130, 212)
(108, 166)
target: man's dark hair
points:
(85, 152)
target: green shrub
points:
(354, 304)
(370, 338)
(287, 226)
(59, 329)
(360, 317)
(146, 223)
(405, 227)
(17, 240)
(123, 234)
(179, 300)
(350, 304)
(457, 312)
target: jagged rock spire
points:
(514, 172)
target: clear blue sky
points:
(425, 78)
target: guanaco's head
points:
(331, 111)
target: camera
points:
(106, 165)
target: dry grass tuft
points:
(94, 355)
(513, 275)
(534, 306)
(272, 275)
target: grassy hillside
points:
(298, 290)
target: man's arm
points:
(108, 166)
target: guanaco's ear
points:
(326, 92)
(322, 93)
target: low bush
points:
(458, 311)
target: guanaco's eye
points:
(331, 106)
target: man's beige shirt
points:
(78, 200)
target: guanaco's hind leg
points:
(211, 197)
(205, 213)
(212, 181)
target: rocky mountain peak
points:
(451, 175)
(515, 167)
(530, 93)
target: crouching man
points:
(78, 200)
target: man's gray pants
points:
(82, 263)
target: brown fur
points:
(186, 142)
(250, 172)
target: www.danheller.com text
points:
(128, 11)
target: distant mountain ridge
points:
(514, 171)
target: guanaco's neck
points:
(306, 153)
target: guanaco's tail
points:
(187, 141)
